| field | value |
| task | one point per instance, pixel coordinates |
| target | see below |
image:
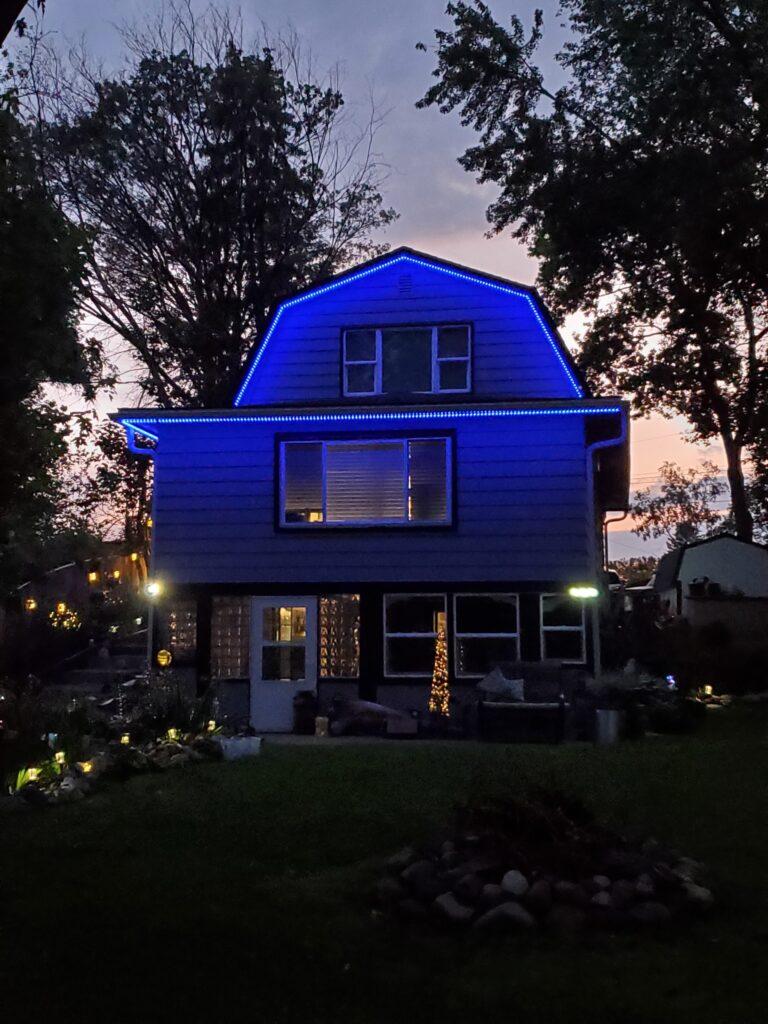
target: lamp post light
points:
(589, 592)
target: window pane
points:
(411, 655)
(561, 610)
(230, 637)
(360, 345)
(339, 618)
(406, 360)
(181, 630)
(427, 492)
(303, 482)
(283, 663)
(452, 341)
(565, 645)
(486, 613)
(414, 613)
(453, 375)
(361, 379)
(478, 655)
(298, 623)
(365, 481)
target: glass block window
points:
(562, 629)
(339, 622)
(411, 624)
(181, 630)
(230, 637)
(486, 632)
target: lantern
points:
(30, 604)
(164, 658)
(125, 739)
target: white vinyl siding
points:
(397, 482)
(407, 360)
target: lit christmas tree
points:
(439, 693)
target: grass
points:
(239, 891)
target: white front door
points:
(283, 658)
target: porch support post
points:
(597, 667)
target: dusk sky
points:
(442, 209)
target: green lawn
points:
(239, 891)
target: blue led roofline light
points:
(137, 424)
(404, 257)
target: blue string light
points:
(407, 258)
(140, 424)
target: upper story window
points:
(397, 482)
(407, 360)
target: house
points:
(722, 569)
(411, 450)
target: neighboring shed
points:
(736, 568)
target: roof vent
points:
(404, 284)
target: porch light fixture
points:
(154, 589)
(584, 593)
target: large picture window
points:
(399, 482)
(486, 632)
(562, 629)
(407, 360)
(411, 624)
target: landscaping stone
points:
(538, 899)
(624, 864)
(623, 892)
(491, 895)
(601, 882)
(509, 916)
(602, 899)
(468, 888)
(514, 883)
(698, 897)
(389, 890)
(449, 908)
(411, 910)
(399, 861)
(650, 914)
(644, 887)
(571, 893)
(566, 918)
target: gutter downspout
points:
(606, 524)
(597, 446)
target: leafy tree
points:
(40, 267)
(636, 570)
(640, 185)
(683, 508)
(210, 181)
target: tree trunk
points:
(739, 504)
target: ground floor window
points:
(339, 639)
(411, 625)
(230, 637)
(486, 632)
(562, 628)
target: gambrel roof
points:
(312, 302)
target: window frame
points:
(581, 630)
(404, 636)
(377, 361)
(390, 523)
(483, 636)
